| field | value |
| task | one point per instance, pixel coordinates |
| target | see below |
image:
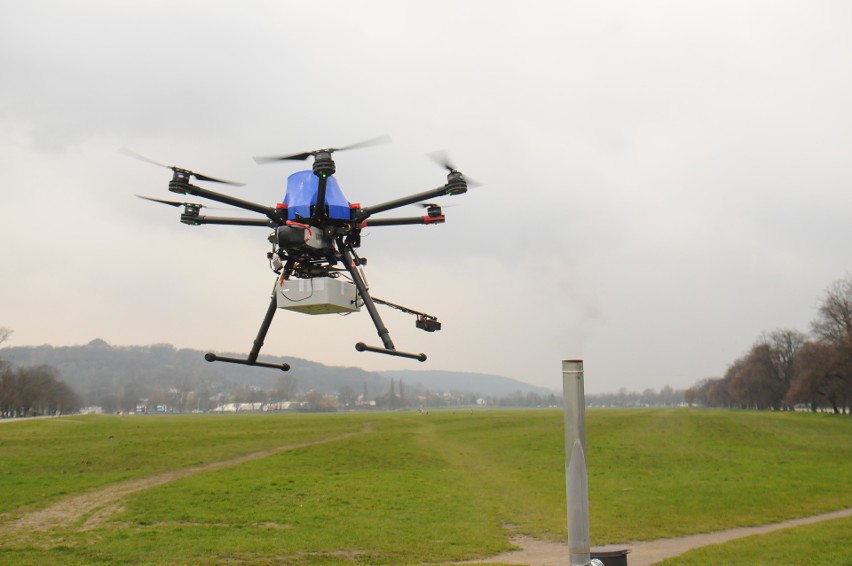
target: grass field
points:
(828, 543)
(406, 488)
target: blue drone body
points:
(301, 196)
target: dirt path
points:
(540, 553)
(97, 506)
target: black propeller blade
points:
(304, 155)
(173, 202)
(176, 203)
(441, 158)
(199, 176)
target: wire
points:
(303, 298)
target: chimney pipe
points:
(576, 480)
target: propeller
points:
(199, 176)
(441, 158)
(174, 202)
(304, 155)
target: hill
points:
(483, 383)
(109, 376)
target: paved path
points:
(651, 552)
(540, 553)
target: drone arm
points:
(196, 220)
(425, 321)
(402, 308)
(403, 221)
(419, 197)
(188, 189)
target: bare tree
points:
(783, 347)
(822, 379)
(770, 368)
(8, 381)
(287, 386)
(8, 391)
(34, 390)
(347, 396)
(825, 376)
(782, 368)
(834, 320)
(4, 335)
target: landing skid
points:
(211, 357)
(351, 264)
(361, 347)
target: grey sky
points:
(661, 181)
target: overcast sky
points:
(661, 181)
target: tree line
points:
(787, 368)
(33, 390)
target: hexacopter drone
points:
(317, 270)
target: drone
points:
(315, 234)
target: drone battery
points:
(319, 295)
(295, 234)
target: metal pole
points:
(576, 481)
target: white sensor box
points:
(318, 295)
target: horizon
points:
(379, 372)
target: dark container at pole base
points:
(611, 556)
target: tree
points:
(347, 396)
(761, 378)
(286, 386)
(825, 376)
(751, 385)
(392, 396)
(34, 391)
(834, 319)
(782, 368)
(9, 394)
(782, 350)
(767, 371)
(318, 401)
(4, 335)
(822, 379)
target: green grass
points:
(43, 459)
(415, 488)
(699, 471)
(823, 544)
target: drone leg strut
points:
(383, 332)
(264, 328)
(258, 343)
